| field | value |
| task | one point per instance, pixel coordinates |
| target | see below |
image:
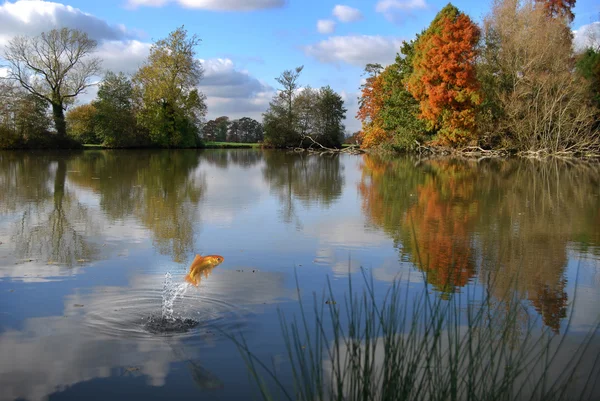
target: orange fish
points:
(202, 264)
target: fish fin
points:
(188, 277)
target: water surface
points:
(87, 238)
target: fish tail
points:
(189, 279)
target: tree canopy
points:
(170, 105)
(55, 66)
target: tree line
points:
(513, 84)
(158, 106)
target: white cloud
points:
(126, 56)
(394, 9)
(351, 104)
(346, 13)
(229, 90)
(34, 17)
(586, 36)
(222, 79)
(325, 26)
(232, 92)
(356, 50)
(214, 5)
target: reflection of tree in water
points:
(24, 180)
(432, 217)
(308, 179)
(156, 187)
(222, 158)
(53, 226)
(519, 217)
(538, 210)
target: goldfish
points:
(202, 264)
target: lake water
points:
(88, 237)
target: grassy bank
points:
(205, 145)
(421, 347)
(230, 145)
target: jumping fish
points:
(202, 264)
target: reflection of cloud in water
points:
(231, 191)
(392, 270)
(53, 352)
(37, 271)
(101, 331)
(347, 231)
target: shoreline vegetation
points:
(419, 346)
(512, 84)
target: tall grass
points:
(422, 347)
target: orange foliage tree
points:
(559, 8)
(444, 79)
(370, 104)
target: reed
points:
(422, 347)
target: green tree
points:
(330, 116)
(115, 119)
(588, 66)
(280, 119)
(170, 105)
(221, 128)
(55, 66)
(251, 130)
(24, 120)
(81, 123)
(400, 110)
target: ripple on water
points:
(136, 313)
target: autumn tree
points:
(55, 66)
(166, 87)
(558, 8)
(369, 107)
(444, 79)
(535, 101)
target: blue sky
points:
(247, 43)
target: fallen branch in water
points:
(352, 149)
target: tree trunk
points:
(59, 183)
(59, 120)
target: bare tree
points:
(527, 71)
(55, 66)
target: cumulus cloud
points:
(229, 90)
(351, 103)
(346, 13)
(125, 56)
(233, 92)
(587, 36)
(34, 17)
(357, 50)
(394, 10)
(325, 26)
(213, 5)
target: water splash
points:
(171, 292)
